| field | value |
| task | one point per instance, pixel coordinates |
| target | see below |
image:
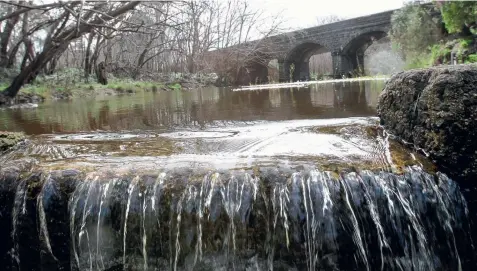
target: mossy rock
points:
(435, 110)
(9, 139)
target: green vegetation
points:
(440, 54)
(471, 59)
(175, 86)
(459, 15)
(70, 82)
(419, 33)
(9, 139)
(413, 31)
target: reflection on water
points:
(198, 108)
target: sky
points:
(303, 13)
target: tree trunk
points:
(5, 39)
(12, 55)
(140, 63)
(56, 46)
(29, 51)
(50, 66)
(30, 71)
(87, 58)
(101, 74)
(97, 48)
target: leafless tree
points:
(130, 39)
(71, 21)
(244, 31)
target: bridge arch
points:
(296, 62)
(254, 70)
(354, 49)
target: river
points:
(215, 179)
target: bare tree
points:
(241, 29)
(63, 31)
(130, 39)
(6, 34)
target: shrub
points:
(440, 54)
(457, 14)
(471, 58)
(414, 30)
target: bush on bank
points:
(443, 32)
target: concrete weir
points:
(266, 219)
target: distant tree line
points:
(125, 38)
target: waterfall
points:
(237, 220)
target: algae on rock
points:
(9, 139)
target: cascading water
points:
(238, 220)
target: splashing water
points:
(272, 220)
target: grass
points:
(46, 89)
(417, 62)
(175, 86)
(71, 81)
(465, 43)
(439, 54)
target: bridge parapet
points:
(344, 39)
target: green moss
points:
(133, 86)
(9, 139)
(333, 130)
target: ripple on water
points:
(332, 144)
(102, 136)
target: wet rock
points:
(21, 98)
(4, 100)
(9, 139)
(436, 110)
(62, 95)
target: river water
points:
(200, 108)
(327, 123)
(215, 179)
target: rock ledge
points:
(436, 110)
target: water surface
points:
(212, 179)
(200, 108)
(332, 126)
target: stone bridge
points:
(346, 40)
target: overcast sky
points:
(303, 13)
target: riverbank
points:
(65, 86)
(34, 94)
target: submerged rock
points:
(9, 139)
(436, 110)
